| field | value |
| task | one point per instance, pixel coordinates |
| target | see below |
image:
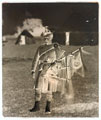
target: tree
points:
(33, 25)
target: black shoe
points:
(36, 107)
(47, 109)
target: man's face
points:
(48, 40)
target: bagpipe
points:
(67, 66)
(74, 60)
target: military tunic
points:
(45, 63)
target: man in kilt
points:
(45, 67)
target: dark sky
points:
(59, 16)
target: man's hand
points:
(33, 75)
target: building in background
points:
(25, 38)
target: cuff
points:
(32, 71)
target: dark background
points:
(73, 17)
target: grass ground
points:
(18, 93)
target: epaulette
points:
(56, 45)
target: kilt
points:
(54, 79)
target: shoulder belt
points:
(52, 48)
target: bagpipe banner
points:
(77, 63)
(72, 63)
